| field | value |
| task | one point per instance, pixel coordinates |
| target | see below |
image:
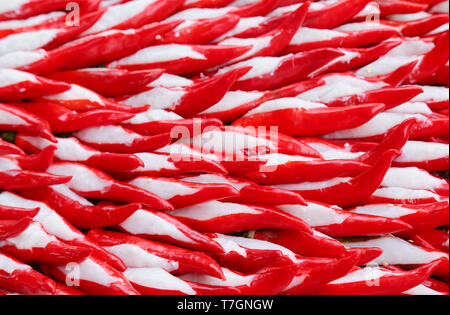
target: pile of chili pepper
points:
(232, 147)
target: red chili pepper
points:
(272, 43)
(339, 223)
(206, 4)
(92, 183)
(156, 122)
(59, 227)
(137, 252)
(220, 217)
(159, 226)
(249, 192)
(18, 85)
(432, 239)
(269, 281)
(97, 49)
(118, 17)
(62, 119)
(79, 211)
(121, 140)
(109, 82)
(190, 100)
(241, 258)
(182, 194)
(18, 277)
(422, 26)
(346, 36)
(180, 59)
(201, 31)
(419, 217)
(31, 243)
(299, 118)
(374, 280)
(441, 77)
(13, 213)
(14, 118)
(283, 70)
(345, 192)
(398, 6)
(37, 162)
(22, 10)
(9, 148)
(62, 289)
(95, 277)
(17, 179)
(158, 164)
(71, 150)
(397, 251)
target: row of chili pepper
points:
(138, 157)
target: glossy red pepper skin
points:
(300, 122)
(30, 89)
(188, 261)
(184, 236)
(423, 26)
(62, 289)
(356, 190)
(335, 14)
(108, 162)
(197, 192)
(432, 239)
(13, 213)
(259, 218)
(24, 280)
(109, 188)
(89, 285)
(202, 32)
(291, 69)
(32, 125)
(314, 170)
(37, 162)
(55, 252)
(98, 49)
(9, 148)
(399, 7)
(35, 7)
(109, 82)
(18, 179)
(393, 283)
(82, 215)
(207, 4)
(441, 77)
(62, 119)
(139, 142)
(213, 56)
(429, 216)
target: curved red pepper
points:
(107, 280)
(291, 68)
(182, 194)
(42, 247)
(355, 190)
(441, 77)
(9, 148)
(301, 122)
(62, 119)
(399, 6)
(219, 217)
(108, 162)
(34, 7)
(62, 289)
(432, 238)
(80, 212)
(201, 32)
(186, 261)
(27, 86)
(15, 118)
(423, 26)
(13, 213)
(159, 226)
(18, 179)
(278, 38)
(110, 82)
(22, 279)
(154, 11)
(269, 281)
(98, 49)
(211, 56)
(102, 186)
(206, 4)
(9, 228)
(124, 140)
(37, 162)
(369, 282)
(249, 192)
